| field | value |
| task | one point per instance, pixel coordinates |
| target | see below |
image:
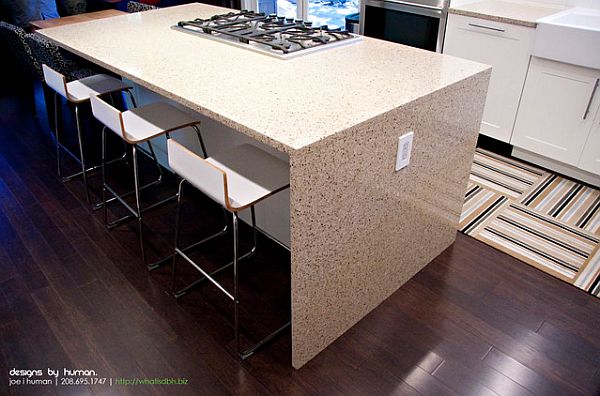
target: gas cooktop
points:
(271, 34)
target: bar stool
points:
(135, 127)
(237, 180)
(77, 92)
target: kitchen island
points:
(359, 229)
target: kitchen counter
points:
(516, 13)
(144, 48)
(358, 228)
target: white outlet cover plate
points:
(404, 149)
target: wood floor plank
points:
(566, 340)
(525, 376)
(522, 344)
(466, 376)
(72, 336)
(503, 314)
(73, 294)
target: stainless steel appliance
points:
(270, 34)
(418, 23)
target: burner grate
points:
(270, 32)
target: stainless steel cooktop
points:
(271, 34)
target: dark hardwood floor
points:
(74, 295)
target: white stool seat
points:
(99, 84)
(252, 174)
(146, 122)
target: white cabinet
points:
(590, 158)
(507, 49)
(557, 110)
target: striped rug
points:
(568, 201)
(545, 220)
(506, 176)
(480, 204)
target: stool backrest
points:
(55, 80)
(203, 175)
(108, 115)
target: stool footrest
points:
(133, 214)
(90, 169)
(206, 274)
(165, 260)
(181, 292)
(250, 351)
(99, 205)
(71, 154)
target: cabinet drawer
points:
(491, 28)
(507, 48)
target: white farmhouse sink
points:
(570, 36)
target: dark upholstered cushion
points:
(45, 52)
(14, 37)
(73, 7)
(134, 6)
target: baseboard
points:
(494, 145)
(558, 167)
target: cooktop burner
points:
(272, 34)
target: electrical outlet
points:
(404, 149)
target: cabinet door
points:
(507, 49)
(590, 158)
(554, 118)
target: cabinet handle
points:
(487, 27)
(587, 109)
(417, 4)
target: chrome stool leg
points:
(177, 293)
(246, 353)
(103, 165)
(199, 134)
(159, 263)
(59, 147)
(236, 291)
(176, 242)
(123, 157)
(130, 93)
(120, 197)
(138, 201)
(135, 211)
(56, 135)
(155, 159)
(82, 155)
(254, 230)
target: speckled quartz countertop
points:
(288, 104)
(516, 13)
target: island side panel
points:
(359, 229)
